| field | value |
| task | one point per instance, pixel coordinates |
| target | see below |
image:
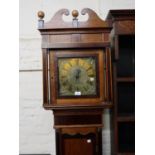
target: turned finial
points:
(75, 14)
(41, 14)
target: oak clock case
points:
(77, 79)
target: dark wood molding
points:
(72, 107)
(75, 45)
(119, 15)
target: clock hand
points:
(77, 75)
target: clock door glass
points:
(77, 76)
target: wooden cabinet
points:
(77, 79)
(80, 140)
(123, 49)
(78, 145)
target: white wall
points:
(36, 124)
(107, 5)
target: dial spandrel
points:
(77, 76)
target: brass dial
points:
(77, 76)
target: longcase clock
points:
(77, 80)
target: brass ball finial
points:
(41, 14)
(75, 13)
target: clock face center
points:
(77, 75)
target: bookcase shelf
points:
(126, 118)
(126, 153)
(125, 79)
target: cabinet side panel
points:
(45, 77)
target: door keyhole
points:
(88, 140)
